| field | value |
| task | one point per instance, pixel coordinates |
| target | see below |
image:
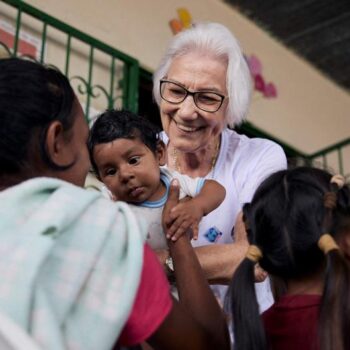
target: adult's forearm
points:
(219, 261)
(194, 291)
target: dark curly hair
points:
(121, 124)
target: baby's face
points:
(130, 170)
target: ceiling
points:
(318, 30)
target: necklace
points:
(175, 158)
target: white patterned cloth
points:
(70, 264)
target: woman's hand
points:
(259, 274)
(240, 236)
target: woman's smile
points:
(187, 128)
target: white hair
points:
(213, 39)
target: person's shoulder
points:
(186, 182)
(167, 174)
(164, 170)
(252, 147)
(50, 185)
(246, 142)
(91, 198)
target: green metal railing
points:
(122, 90)
(338, 150)
(122, 81)
(331, 158)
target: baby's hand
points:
(186, 216)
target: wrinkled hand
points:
(240, 233)
(259, 274)
(185, 215)
(240, 237)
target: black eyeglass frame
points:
(191, 93)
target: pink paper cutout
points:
(259, 83)
(255, 65)
(270, 90)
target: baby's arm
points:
(210, 197)
(189, 213)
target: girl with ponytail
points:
(293, 223)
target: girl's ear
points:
(58, 145)
(161, 152)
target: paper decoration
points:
(267, 90)
(28, 44)
(183, 21)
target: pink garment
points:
(291, 323)
(152, 304)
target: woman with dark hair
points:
(75, 272)
(292, 223)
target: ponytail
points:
(248, 328)
(334, 323)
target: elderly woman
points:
(75, 272)
(203, 89)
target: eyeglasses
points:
(175, 93)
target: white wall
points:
(310, 112)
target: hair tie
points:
(339, 180)
(327, 243)
(330, 200)
(254, 253)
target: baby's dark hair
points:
(31, 97)
(286, 218)
(121, 124)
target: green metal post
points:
(340, 160)
(89, 86)
(66, 69)
(125, 86)
(133, 90)
(43, 42)
(111, 86)
(18, 25)
(324, 161)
